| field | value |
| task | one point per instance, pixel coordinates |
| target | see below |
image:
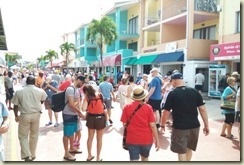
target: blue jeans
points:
(135, 150)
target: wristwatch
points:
(162, 126)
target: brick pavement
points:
(50, 147)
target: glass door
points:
(212, 80)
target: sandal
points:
(231, 137)
(70, 158)
(223, 135)
(75, 152)
(90, 158)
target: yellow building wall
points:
(133, 12)
(228, 14)
(151, 8)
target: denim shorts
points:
(135, 150)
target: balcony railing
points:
(206, 5)
(129, 29)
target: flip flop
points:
(69, 159)
(90, 158)
(75, 152)
(224, 135)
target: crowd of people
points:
(157, 101)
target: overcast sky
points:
(34, 26)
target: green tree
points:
(40, 59)
(12, 58)
(50, 55)
(102, 32)
(66, 48)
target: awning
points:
(114, 60)
(169, 57)
(145, 59)
(131, 61)
(55, 63)
(106, 61)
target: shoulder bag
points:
(126, 125)
(228, 104)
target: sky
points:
(32, 27)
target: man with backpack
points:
(70, 114)
(50, 87)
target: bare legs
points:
(91, 133)
(50, 114)
(185, 157)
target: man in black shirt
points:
(185, 102)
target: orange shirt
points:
(39, 82)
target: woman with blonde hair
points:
(228, 95)
(121, 92)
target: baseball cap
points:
(81, 78)
(176, 75)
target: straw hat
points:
(139, 93)
(235, 74)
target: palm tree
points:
(50, 55)
(12, 58)
(102, 32)
(66, 48)
(40, 59)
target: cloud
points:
(35, 26)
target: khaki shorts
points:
(96, 122)
(183, 139)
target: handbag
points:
(126, 125)
(228, 104)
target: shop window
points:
(238, 23)
(133, 46)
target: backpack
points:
(58, 101)
(98, 97)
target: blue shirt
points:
(3, 113)
(157, 83)
(227, 91)
(49, 91)
(105, 88)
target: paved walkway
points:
(50, 147)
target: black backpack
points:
(58, 101)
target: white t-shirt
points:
(237, 108)
(199, 78)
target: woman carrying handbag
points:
(141, 132)
(229, 94)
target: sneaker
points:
(56, 125)
(49, 123)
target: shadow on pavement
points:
(45, 129)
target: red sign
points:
(228, 51)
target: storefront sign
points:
(150, 50)
(228, 51)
